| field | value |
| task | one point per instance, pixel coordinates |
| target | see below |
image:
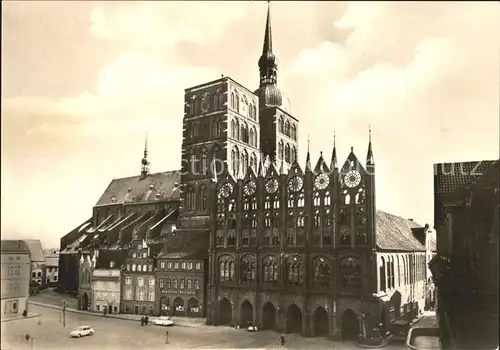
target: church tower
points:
(278, 128)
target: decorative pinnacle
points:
(369, 133)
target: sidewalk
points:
(19, 317)
(179, 321)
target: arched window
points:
(293, 155)
(235, 159)
(237, 130)
(244, 161)
(233, 102)
(203, 167)
(350, 272)
(226, 268)
(317, 219)
(295, 271)
(221, 100)
(280, 150)
(248, 270)
(322, 273)
(405, 281)
(327, 198)
(270, 269)
(253, 161)
(300, 200)
(294, 132)
(300, 220)
(139, 267)
(267, 220)
(316, 199)
(216, 100)
(388, 273)
(251, 139)
(203, 198)
(287, 153)
(234, 130)
(196, 105)
(237, 101)
(393, 278)
(287, 128)
(254, 112)
(254, 220)
(382, 277)
(281, 125)
(244, 132)
(399, 271)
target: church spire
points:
(334, 164)
(369, 156)
(144, 162)
(268, 92)
(308, 158)
(267, 48)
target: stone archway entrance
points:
(269, 316)
(85, 301)
(321, 322)
(293, 319)
(246, 314)
(350, 325)
(396, 303)
(179, 308)
(225, 312)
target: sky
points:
(82, 82)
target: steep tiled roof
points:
(448, 177)
(8, 246)
(106, 256)
(159, 186)
(52, 260)
(395, 233)
(489, 177)
(187, 242)
(35, 247)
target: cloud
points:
(424, 75)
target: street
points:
(123, 334)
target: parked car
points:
(252, 328)
(163, 321)
(82, 331)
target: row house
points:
(182, 275)
(465, 269)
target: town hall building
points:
(243, 234)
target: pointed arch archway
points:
(246, 314)
(321, 321)
(85, 301)
(293, 319)
(179, 307)
(269, 316)
(225, 312)
(396, 303)
(350, 325)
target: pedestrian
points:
(282, 338)
(142, 321)
(146, 320)
(166, 337)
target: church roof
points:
(159, 186)
(395, 233)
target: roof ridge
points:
(151, 174)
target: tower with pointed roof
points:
(144, 162)
(278, 127)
